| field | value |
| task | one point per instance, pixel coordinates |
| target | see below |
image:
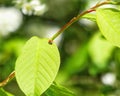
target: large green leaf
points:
(37, 66)
(108, 20)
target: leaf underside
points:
(37, 66)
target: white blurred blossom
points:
(39, 10)
(27, 9)
(108, 78)
(33, 7)
(10, 20)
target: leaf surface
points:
(108, 20)
(37, 66)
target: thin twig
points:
(74, 19)
(4, 82)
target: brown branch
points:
(74, 19)
(4, 82)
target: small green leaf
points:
(4, 93)
(108, 20)
(90, 16)
(37, 66)
(57, 90)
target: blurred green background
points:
(90, 65)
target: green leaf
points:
(108, 20)
(102, 50)
(90, 16)
(57, 90)
(4, 93)
(37, 66)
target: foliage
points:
(57, 90)
(109, 18)
(44, 60)
(89, 52)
